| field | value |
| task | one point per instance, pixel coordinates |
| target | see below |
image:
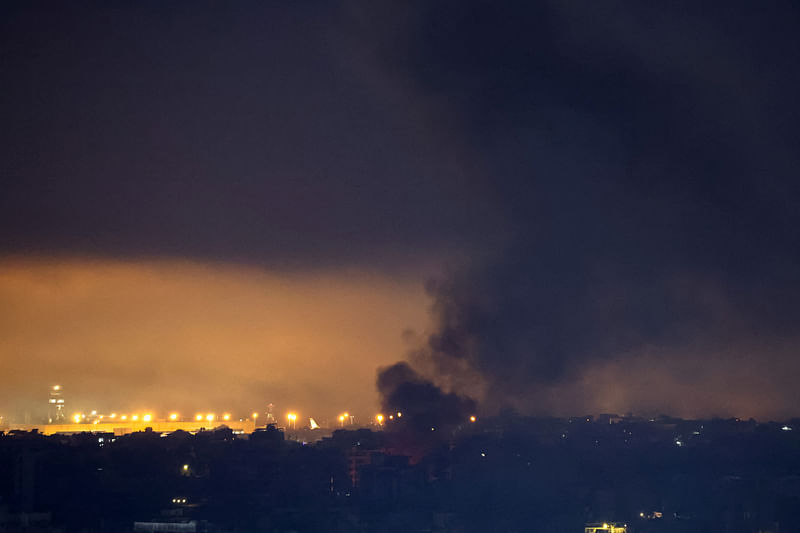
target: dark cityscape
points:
(442, 266)
(506, 473)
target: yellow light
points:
(198, 417)
(347, 415)
(291, 416)
(56, 387)
(173, 416)
(147, 418)
(399, 414)
(76, 417)
(135, 418)
(112, 415)
(210, 417)
(226, 416)
(472, 418)
(605, 526)
(124, 417)
(185, 468)
(255, 415)
(379, 418)
(341, 418)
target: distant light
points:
(433, 429)
(198, 417)
(399, 414)
(183, 500)
(76, 417)
(678, 443)
(341, 418)
(56, 387)
(94, 413)
(605, 526)
(379, 419)
(346, 415)
(185, 468)
(210, 417)
(641, 514)
(226, 416)
(786, 428)
(255, 415)
(173, 416)
(391, 417)
(124, 417)
(147, 418)
(135, 418)
(483, 454)
(472, 418)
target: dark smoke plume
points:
(423, 405)
(646, 218)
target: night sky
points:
(560, 207)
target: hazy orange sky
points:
(164, 335)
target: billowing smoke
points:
(423, 407)
(649, 240)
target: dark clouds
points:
(607, 180)
(258, 133)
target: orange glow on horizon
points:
(137, 308)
